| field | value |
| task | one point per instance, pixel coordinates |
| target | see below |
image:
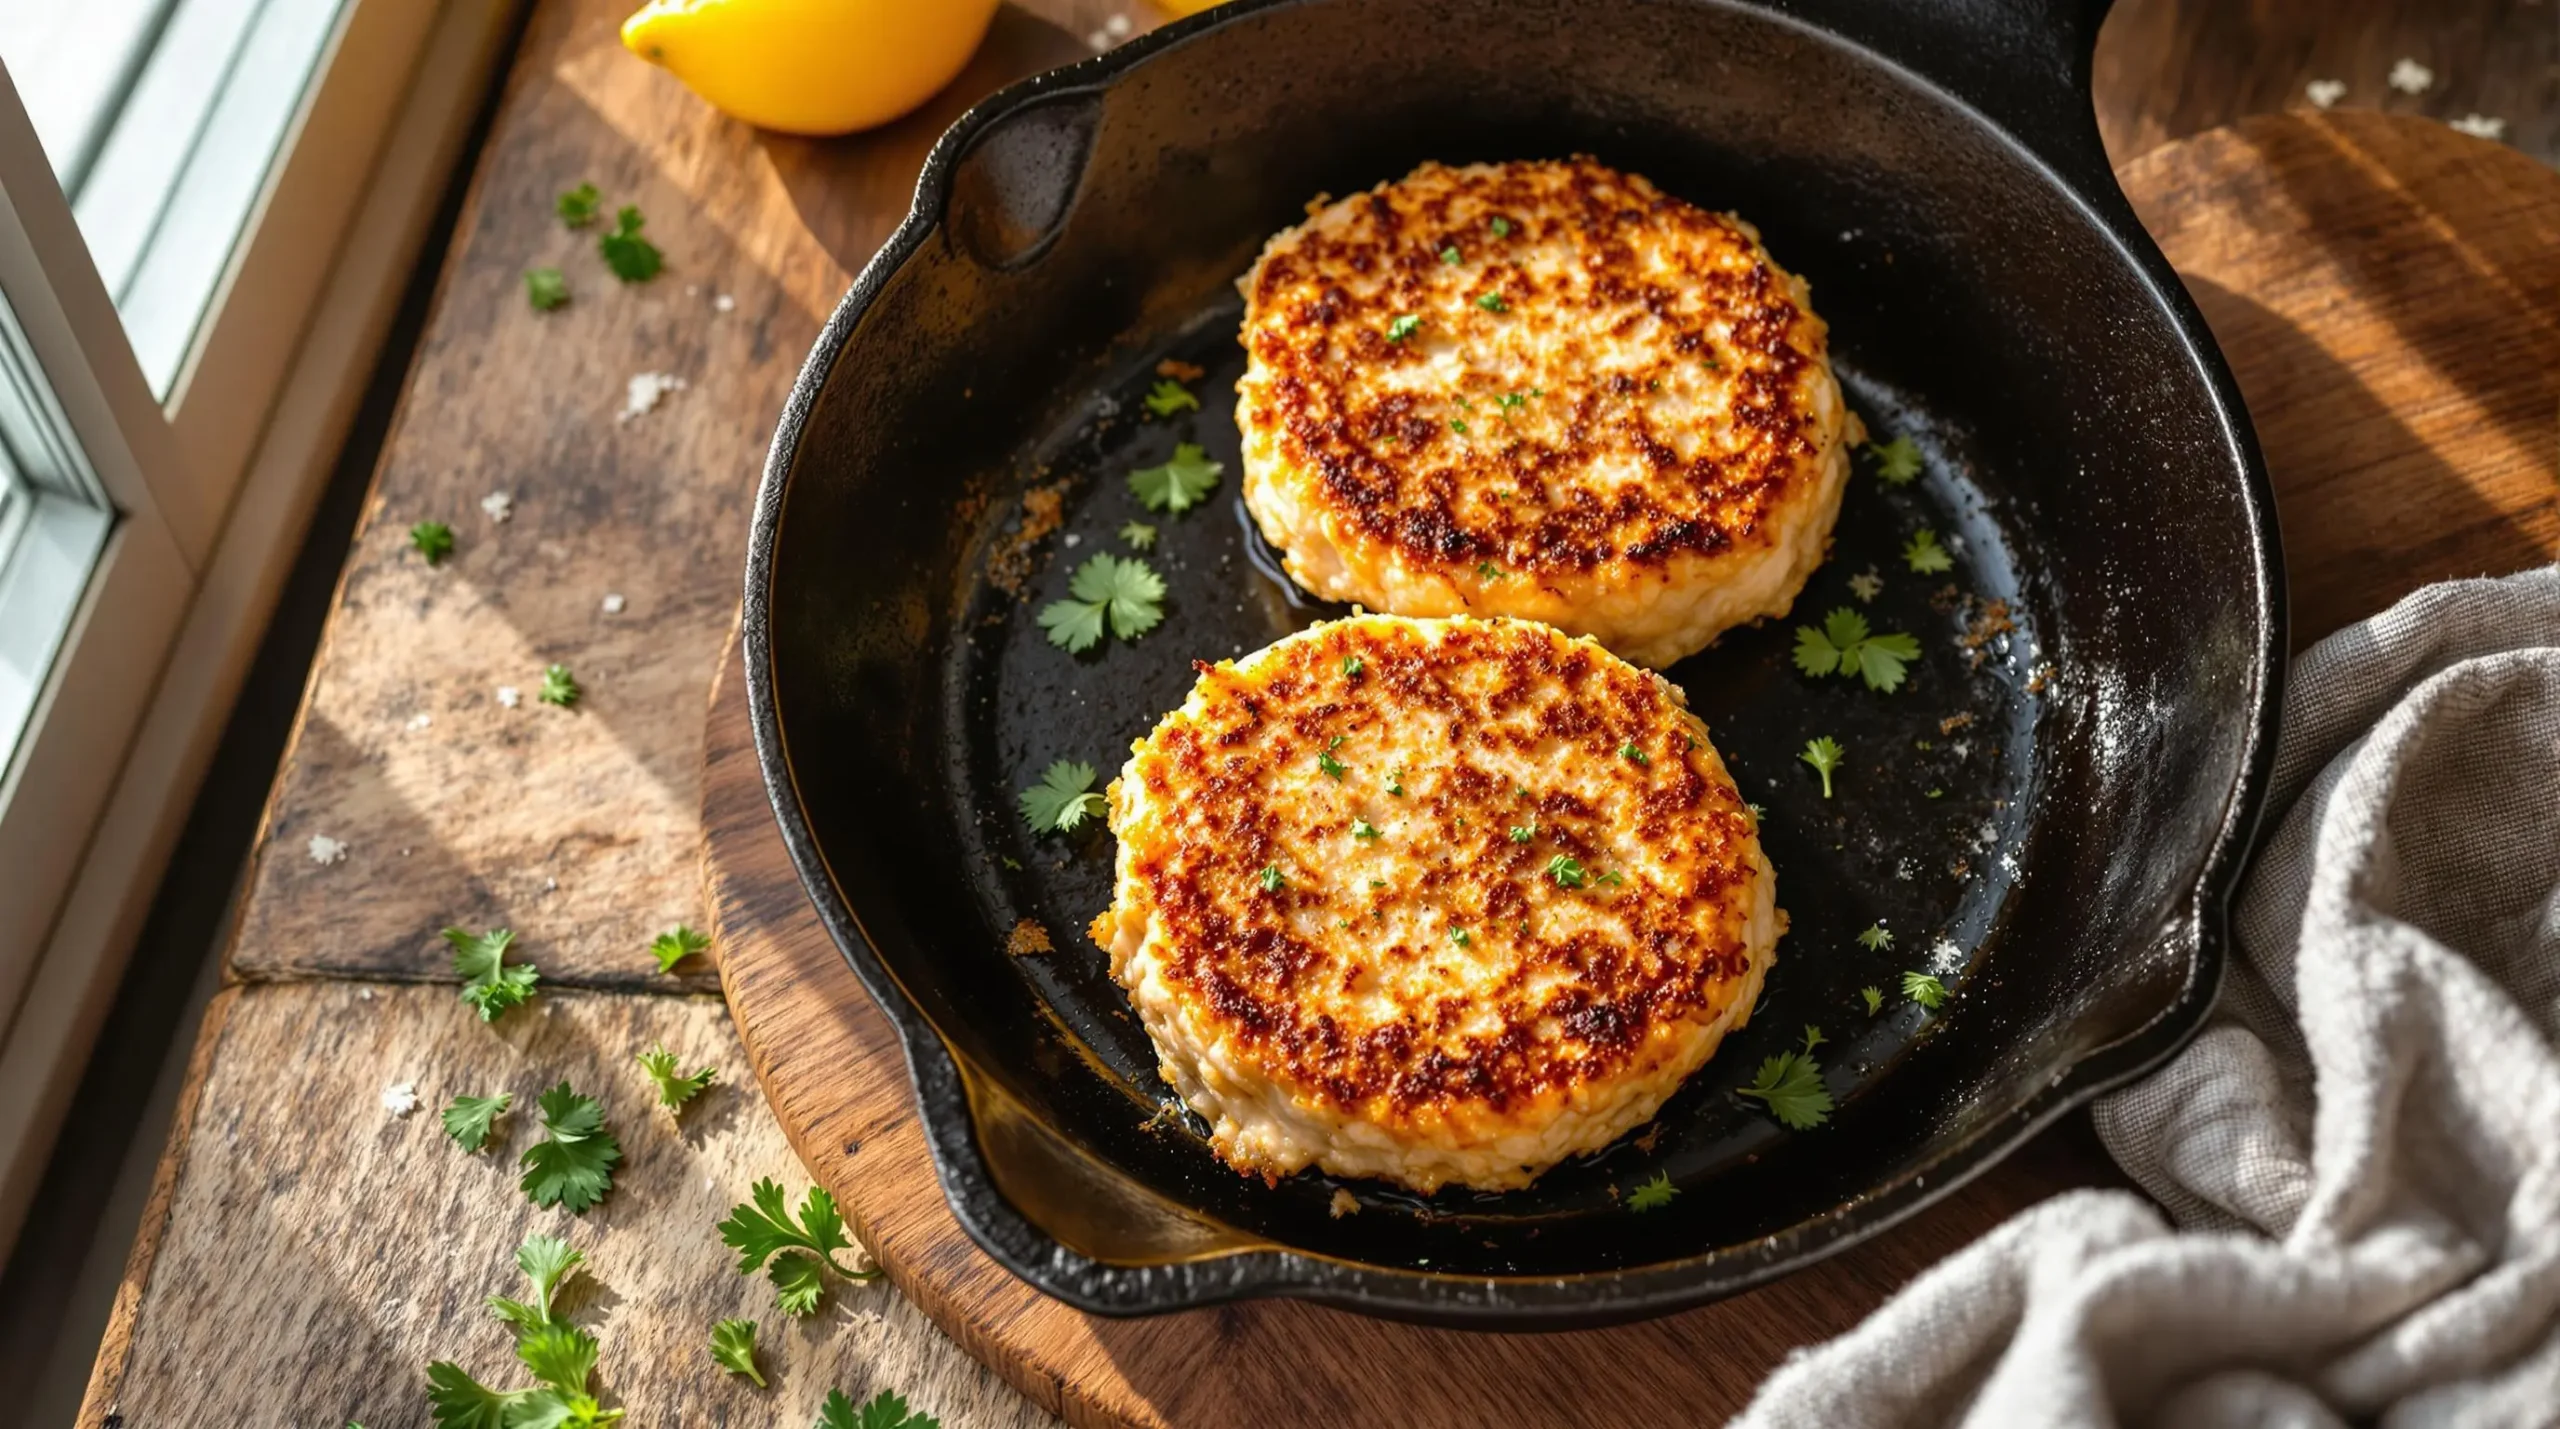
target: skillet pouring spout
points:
(2049, 816)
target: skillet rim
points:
(1590, 1299)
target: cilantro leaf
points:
(1875, 999)
(1897, 461)
(1824, 755)
(559, 687)
(1139, 535)
(572, 1165)
(766, 1227)
(546, 1261)
(560, 1409)
(632, 258)
(1924, 555)
(577, 207)
(1877, 937)
(674, 1088)
(1063, 799)
(733, 1347)
(461, 1402)
(1845, 646)
(489, 984)
(559, 1354)
(1790, 1085)
(798, 1283)
(545, 289)
(1653, 1195)
(1566, 871)
(885, 1410)
(1179, 484)
(1924, 990)
(1633, 755)
(1169, 397)
(433, 540)
(1125, 594)
(675, 945)
(468, 1120)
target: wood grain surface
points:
(2409, 426)
(304, 1254)
(321, 1251)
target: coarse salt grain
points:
(498, 506)
(400, 1098)
(640, 395)
(2324, 92)
(2480, 126)
(421, 721)
(326, 850)
(2410, 77)
(724, 303)
(613, 603)
(510, 696)
(1116, 26)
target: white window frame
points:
(212, 490)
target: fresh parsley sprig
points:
(632, 258)
(561, 1357)
(559, 687)
(545, 289)
(1652, 1195)
(733, 1347)
(798, 1248)
(433, 540)
(1125, 595)
(577, 207)
(468, 1120)
(1139, 535)
(1876, 937)
(489, 983)
(1897, 461)
(1168, 397)
(1925, 990)
(1790, 1086)
(1824, 755)
(1874, 998)
(1845, 646)
(1181, 483)
(885, 1410)
(572, 1165)
(1924, 555)
(1063, 799)
(674, 1088)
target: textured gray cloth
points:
(2361, 1152)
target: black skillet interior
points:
(2047, 815)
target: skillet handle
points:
(2023, 63)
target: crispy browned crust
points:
(1279, 970)
(1633, 296)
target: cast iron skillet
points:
(2049, 815)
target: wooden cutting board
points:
(2388, 292)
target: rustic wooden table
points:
(307, 1251)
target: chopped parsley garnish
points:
(546, 1261)
(1877, 938)
(1924, 555)
(1522, 833)
(1404, 326)
(1633, 755)
(675, 945)
(1123, 593)
(1363, 829)
(572, 1165)
(559, 687)
(1460, 935)
(1168, 397)
(1352, 666)
(1501, 227)
(885, 1410)
(1844, 646)
(577, 207)
(1924, 990)
(469, 1119)
(1610, 878)
(733, 1348)
(800, 1249)
(1450, 255)
(433, 540)
(1790, 1085)
(1272, 879)
(1824, 755)
(1139, 535)
(1865, 587)
(674, 1088)
(489, 983)
(1566, 871)
(1488, 571)
(1652, 1195)
(1493, 303)
(1179, 484)
(1395, 781)
(1063, 799)
(545, 289)
(632, 258)
(1332, 767)
(1458, 425)
(1510, 400)
(1875, 999)
(1897, 461)
(1935, 794)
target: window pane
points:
(54, 520)
(163, 155)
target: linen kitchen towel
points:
(2361, 1153)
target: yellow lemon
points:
(810, 66)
